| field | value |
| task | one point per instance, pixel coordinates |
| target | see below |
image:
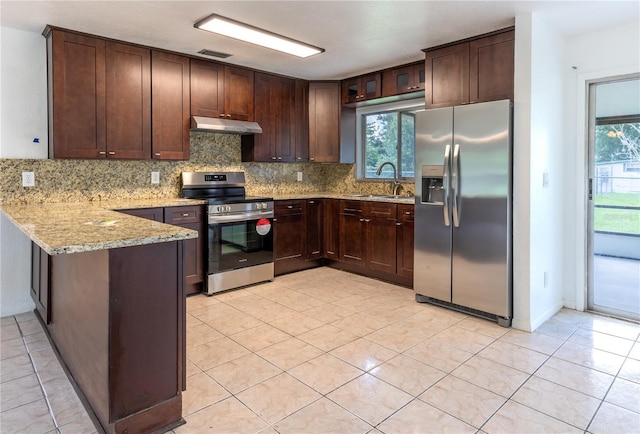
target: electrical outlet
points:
(299, 176)
(155, 177)
(545, 180)
(28, 179)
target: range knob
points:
(227, 208)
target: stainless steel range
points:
(239, 235)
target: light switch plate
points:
(28, 179)
(155, 177)
(299, 176)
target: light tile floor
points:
(323, 351)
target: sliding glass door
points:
(614, 197)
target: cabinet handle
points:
(312, 159)
(290, 206)
(112, 153)
(472, 102)
(312, 201)
(367, 220)
(228, 115)
(279, 158)
(316, 252)
(398, 224)
(157, 154)
(407, 213)
(361, 220)
(298, 158)
(221, 115)
(185, 214)
(102, 153)
(275, 220)
(273, 158)
(463, 102)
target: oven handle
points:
(240, 217)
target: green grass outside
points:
(617, 220)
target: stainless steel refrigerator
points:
(462, 257)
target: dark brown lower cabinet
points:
(40, 288)
(331, 228)
(405, 240)
(118, 321)
(315, 228)
(189, 217)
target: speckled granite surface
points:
(61, 228)
(357, 196)
(105, 180)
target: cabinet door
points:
(274, 112)
(190, 217)
(331, 229)
(447, 76)
(405, 240)
(315, 229)
(128, 101)
(170, 106)
(324, 122)
(403, 80)
(350, 90)
(301, 121)
(155, 214)
(77, 81)
(371, 86)
(380, 223)
(352, 233)
(207, 89)
(289, 235)
(238, 93)
(491, 68)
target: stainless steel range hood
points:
(228, 126)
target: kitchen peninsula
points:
(111, 294)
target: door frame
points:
(577, 183)
(589, 140)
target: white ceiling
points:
(359, 36)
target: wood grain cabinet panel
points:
(207, 89)
(405, 226)
(469, 72)
(289, 235)
(170, 107)
(239, 98)
(361, 88)
(275, 113)
(491, 68)
(315, 229)
(406, 79)
(77, 85)
(331, 229)
(128, 100)
(324, 122)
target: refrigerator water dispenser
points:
(432, 185)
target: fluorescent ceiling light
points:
(244, 32)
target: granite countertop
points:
(60, 228)
(410, 200)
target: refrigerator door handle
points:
(446, 184)
(455, 182)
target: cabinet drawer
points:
(405, 213)
(182, 214)
(381, 209)
(352, 206)
(284, 207)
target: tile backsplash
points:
(63, 180)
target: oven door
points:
(239, 240)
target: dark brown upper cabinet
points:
(76, 69)
(100, 99)
(406, 79)
(128, 101)
(301, 120)
(275, 113)
(221, 91)
(361, 88)
(324, 122)
(469, 72)
(170, 98)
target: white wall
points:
(23, 117)
(23, 94)
(538, 145)
(595, 56)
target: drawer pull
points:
(185, 214)
(102, 153)
(112, 153)
(367, 220)
(407, 213)
(290, 206)
(398, 224)
(361, 220)
(312, 201)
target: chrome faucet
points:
(396, 183)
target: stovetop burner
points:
(221, 188)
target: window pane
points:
(381, 137)
(408, 145)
